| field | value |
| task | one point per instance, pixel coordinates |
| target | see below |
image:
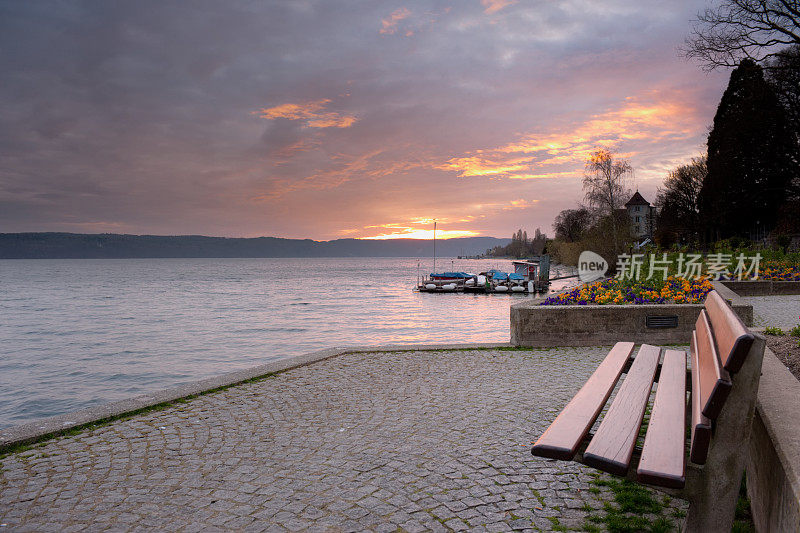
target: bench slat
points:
(562, 438)
(715, 382)
(663, 459)
(733, 338)
(612, 446)
(701, 426)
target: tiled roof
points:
(637, 199)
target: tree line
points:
(521, 246)
(747, 184)
(750, 179)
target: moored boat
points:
(530, 276)
(446, 282)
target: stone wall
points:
(592, 325)
(763, 288)
(773, 466)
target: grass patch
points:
(630, 497)
(743, 519)
(6, 450)
(635, 509)
(773, 331)
(590, 528)
(645, 422)
(626, 514)
(557, 525)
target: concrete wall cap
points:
(34, 431)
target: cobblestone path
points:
(387, 441)
(775, 311)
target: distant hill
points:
(114, 246)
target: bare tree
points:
(604, 185)
(678, 202)
(604, 180)
(743, 29)
(783, 73)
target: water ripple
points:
(77, 333)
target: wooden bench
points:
(723, 382)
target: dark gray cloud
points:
(149, 117)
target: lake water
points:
(78, 333)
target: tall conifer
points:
(751, 158)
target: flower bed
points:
(617, 292)
(779, 271)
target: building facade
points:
(642, 216)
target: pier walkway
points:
(383, 441)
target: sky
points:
(336, 119)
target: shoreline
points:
(378, 441)
(14, 437)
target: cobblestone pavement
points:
(775, 311)
(413, 441)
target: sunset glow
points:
(542, 155)
(411, 233)
(316, 120)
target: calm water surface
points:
(77, 333)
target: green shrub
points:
(773, 331)
(795, 331)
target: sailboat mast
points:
(434, 247)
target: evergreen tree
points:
(751, 158)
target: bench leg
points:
(713, 494)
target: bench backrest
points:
(719, 345)
(733, 339)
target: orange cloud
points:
(636, 121)
(312, 112)
(519, 204)
(332, 120)
(493, 6)
(479, 166)
(541, 176)
(389, 24)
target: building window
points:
(637, 219)
(637, 208)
